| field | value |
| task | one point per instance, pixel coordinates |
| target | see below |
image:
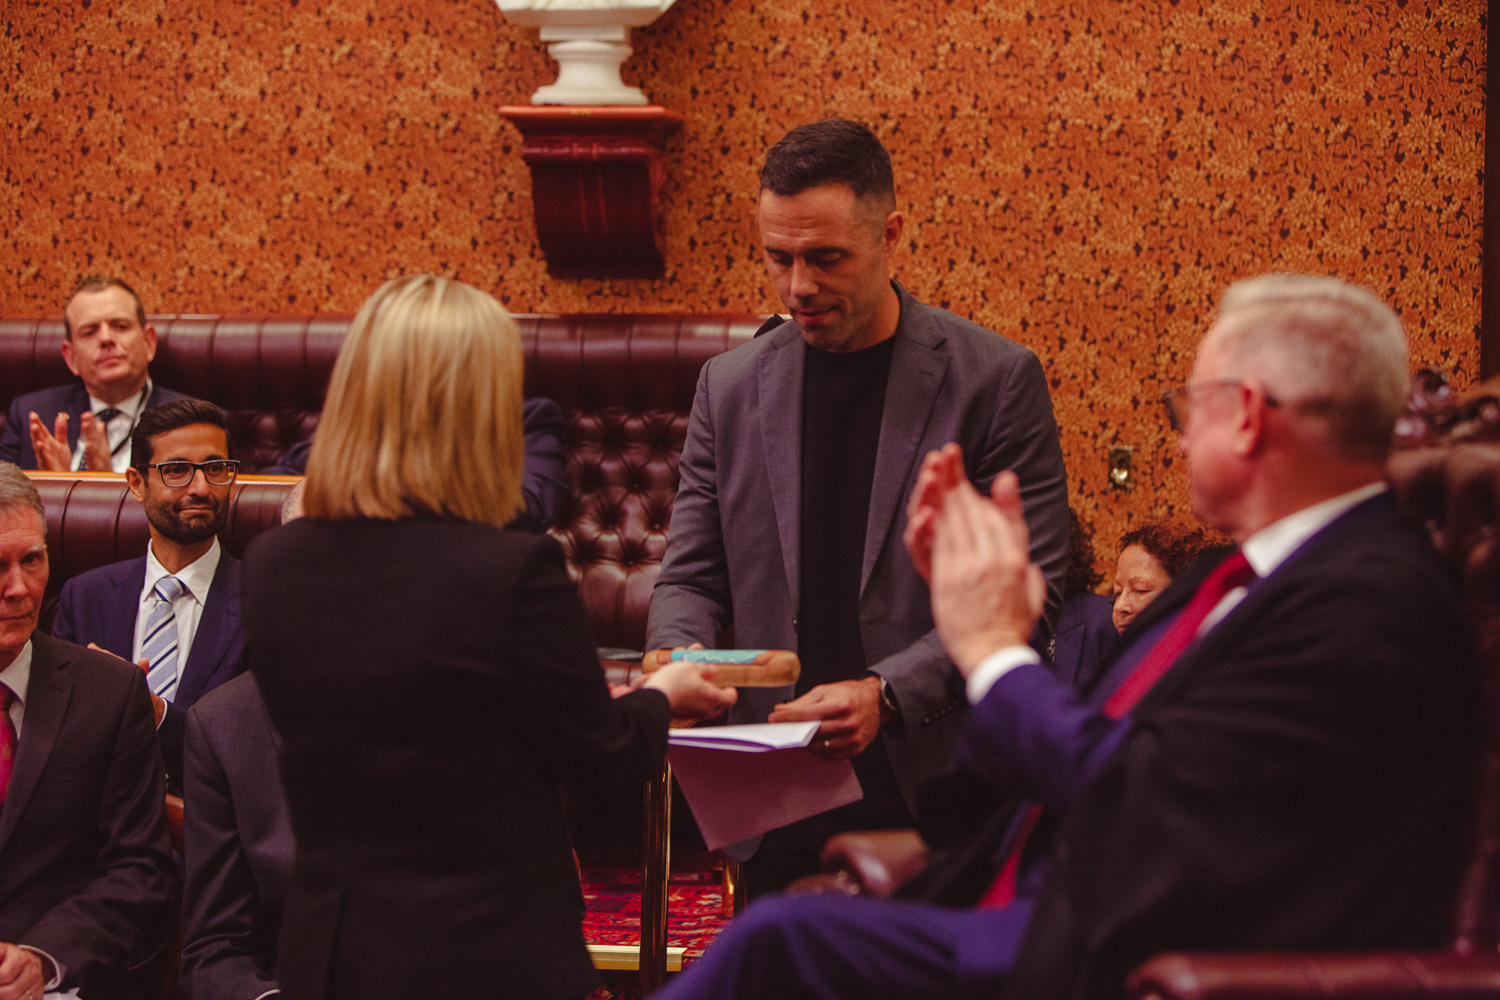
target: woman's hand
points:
(689, 689)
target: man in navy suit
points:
(88, 424)
(1280, 753)
(175, 611)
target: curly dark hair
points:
(1174, 546)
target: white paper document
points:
(741, 781)
(747, 739)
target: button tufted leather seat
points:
(625, 383)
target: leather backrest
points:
(625, 383)
(92, 521)
(1446, 470)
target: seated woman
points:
(432, 677)
(1150, 556)
(1084, 630)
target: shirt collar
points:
(1269, 547)
(130, 407)
(197, 576)
(18, 675)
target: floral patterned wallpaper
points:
(1084, 177)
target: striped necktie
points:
(1233, 572)
(160, 645)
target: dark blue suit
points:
(1300, 778)
(72, 399)
(100, 606)
(1085, 635)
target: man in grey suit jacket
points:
(801, 451)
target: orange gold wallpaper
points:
(1084, 177)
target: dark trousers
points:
(827, 947)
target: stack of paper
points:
(741, 781)
(748, 739)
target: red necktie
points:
(1233, 572)
(7, 742)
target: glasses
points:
(1179, 401)
(216, 471)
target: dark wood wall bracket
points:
(596, 176)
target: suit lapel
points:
(217, 628)
(122, 608)
(47, 696)
(780, 413)
(77, 406)
(918, 366)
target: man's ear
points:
(890, 233)
(137, 483)
(1250, 433)
(67, 353)
(150, 335)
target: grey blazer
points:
(733, 547)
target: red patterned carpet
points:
(612, 893)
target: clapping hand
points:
(52, 451)
(975, 554)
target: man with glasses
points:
(175, 611)
(1279, 754)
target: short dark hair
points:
(157, 420)
(98, 283)
(832, 151)
(1174, 546)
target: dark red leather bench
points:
(625, 383)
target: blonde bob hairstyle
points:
(423, 414)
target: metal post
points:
(733, 903)
(656, 869)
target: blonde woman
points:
(432, 677)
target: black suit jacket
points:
(239, 846)
(100, 606)
(86, 871)
(72, 399)
(1300, 778)
(432, 680)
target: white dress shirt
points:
(16, 677)
(196, 577)
(117, 431)
(1265, 550)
